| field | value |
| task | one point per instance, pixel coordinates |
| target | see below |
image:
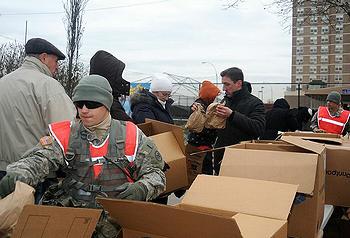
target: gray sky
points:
(172, 36)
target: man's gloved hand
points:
(7, 184)
(132, 191)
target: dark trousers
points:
(208, 164)
(218, 155)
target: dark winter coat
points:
(247, 120)
(279, 118)
(108, 66)
(144, 105)
(207, 137)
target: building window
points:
(313, 20)
(313, 30)
(312, 77)
(313, 10)
(313, 69)
(313, 40)
(300, 21)
(340, 18)
(324, 49)
(324, 69)
(313, 59)
(313, 49)
(338, 38)
(325, 19)
(338, 68)
(324, 78)
(339, 58)
(339, 49)
(338, 77)
(299, 60)
(325, 29)
(300, 40)
(339, 28)
(300, 30)
(300, 11)
(324, 39)
(300, 50)
(299, 78)
(324, 59)
(299, 69)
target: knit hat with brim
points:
(94, 88)
(334, 97)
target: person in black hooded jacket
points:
(155, 104)
(279, 118)
(244, 113)
(108, 66)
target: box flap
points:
(327, 138)
(258, 227)
(169, 221)
(153, 127)
(48, 221)
(168, 146)
(277, 166)
(306, 144)
(248, 196)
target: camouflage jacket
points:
(35, 165)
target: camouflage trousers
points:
(106, 226)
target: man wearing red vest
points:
(100, 156)
(331, 118)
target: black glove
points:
(132, 191)
(7, 184)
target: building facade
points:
(320, 49)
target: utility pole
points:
(216, 72)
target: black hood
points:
(108, 66)
(281, 103)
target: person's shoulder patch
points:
(46, 140)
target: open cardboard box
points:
(170, 142)
(56, 222)
(295, 161)
(337, 166)
(212, 207)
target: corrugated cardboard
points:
(296, 161)
(337, 166)
(170, 142)
(205, 214)
(56, 222)
(141, 219)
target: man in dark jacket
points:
(108, 66)
(279, 118)
(155, 104)
(244, 113)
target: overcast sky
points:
(172, 36)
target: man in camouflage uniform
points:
(116, 173)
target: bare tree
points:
(71, 70)
(232, 3)
(312, 8)
(11, 57)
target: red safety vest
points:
(332, 124)
(61, 132)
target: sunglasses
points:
(88, 104)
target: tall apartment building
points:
(320, 48)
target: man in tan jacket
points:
(30, 99)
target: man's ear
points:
(42, 57)
(240, 83)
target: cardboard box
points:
(296, 161)
(170, 142)
(337, 166)
(212, 207)
(56, 222)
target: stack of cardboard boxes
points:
(253, 196)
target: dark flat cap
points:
(38, 46)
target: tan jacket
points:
(30, 99)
